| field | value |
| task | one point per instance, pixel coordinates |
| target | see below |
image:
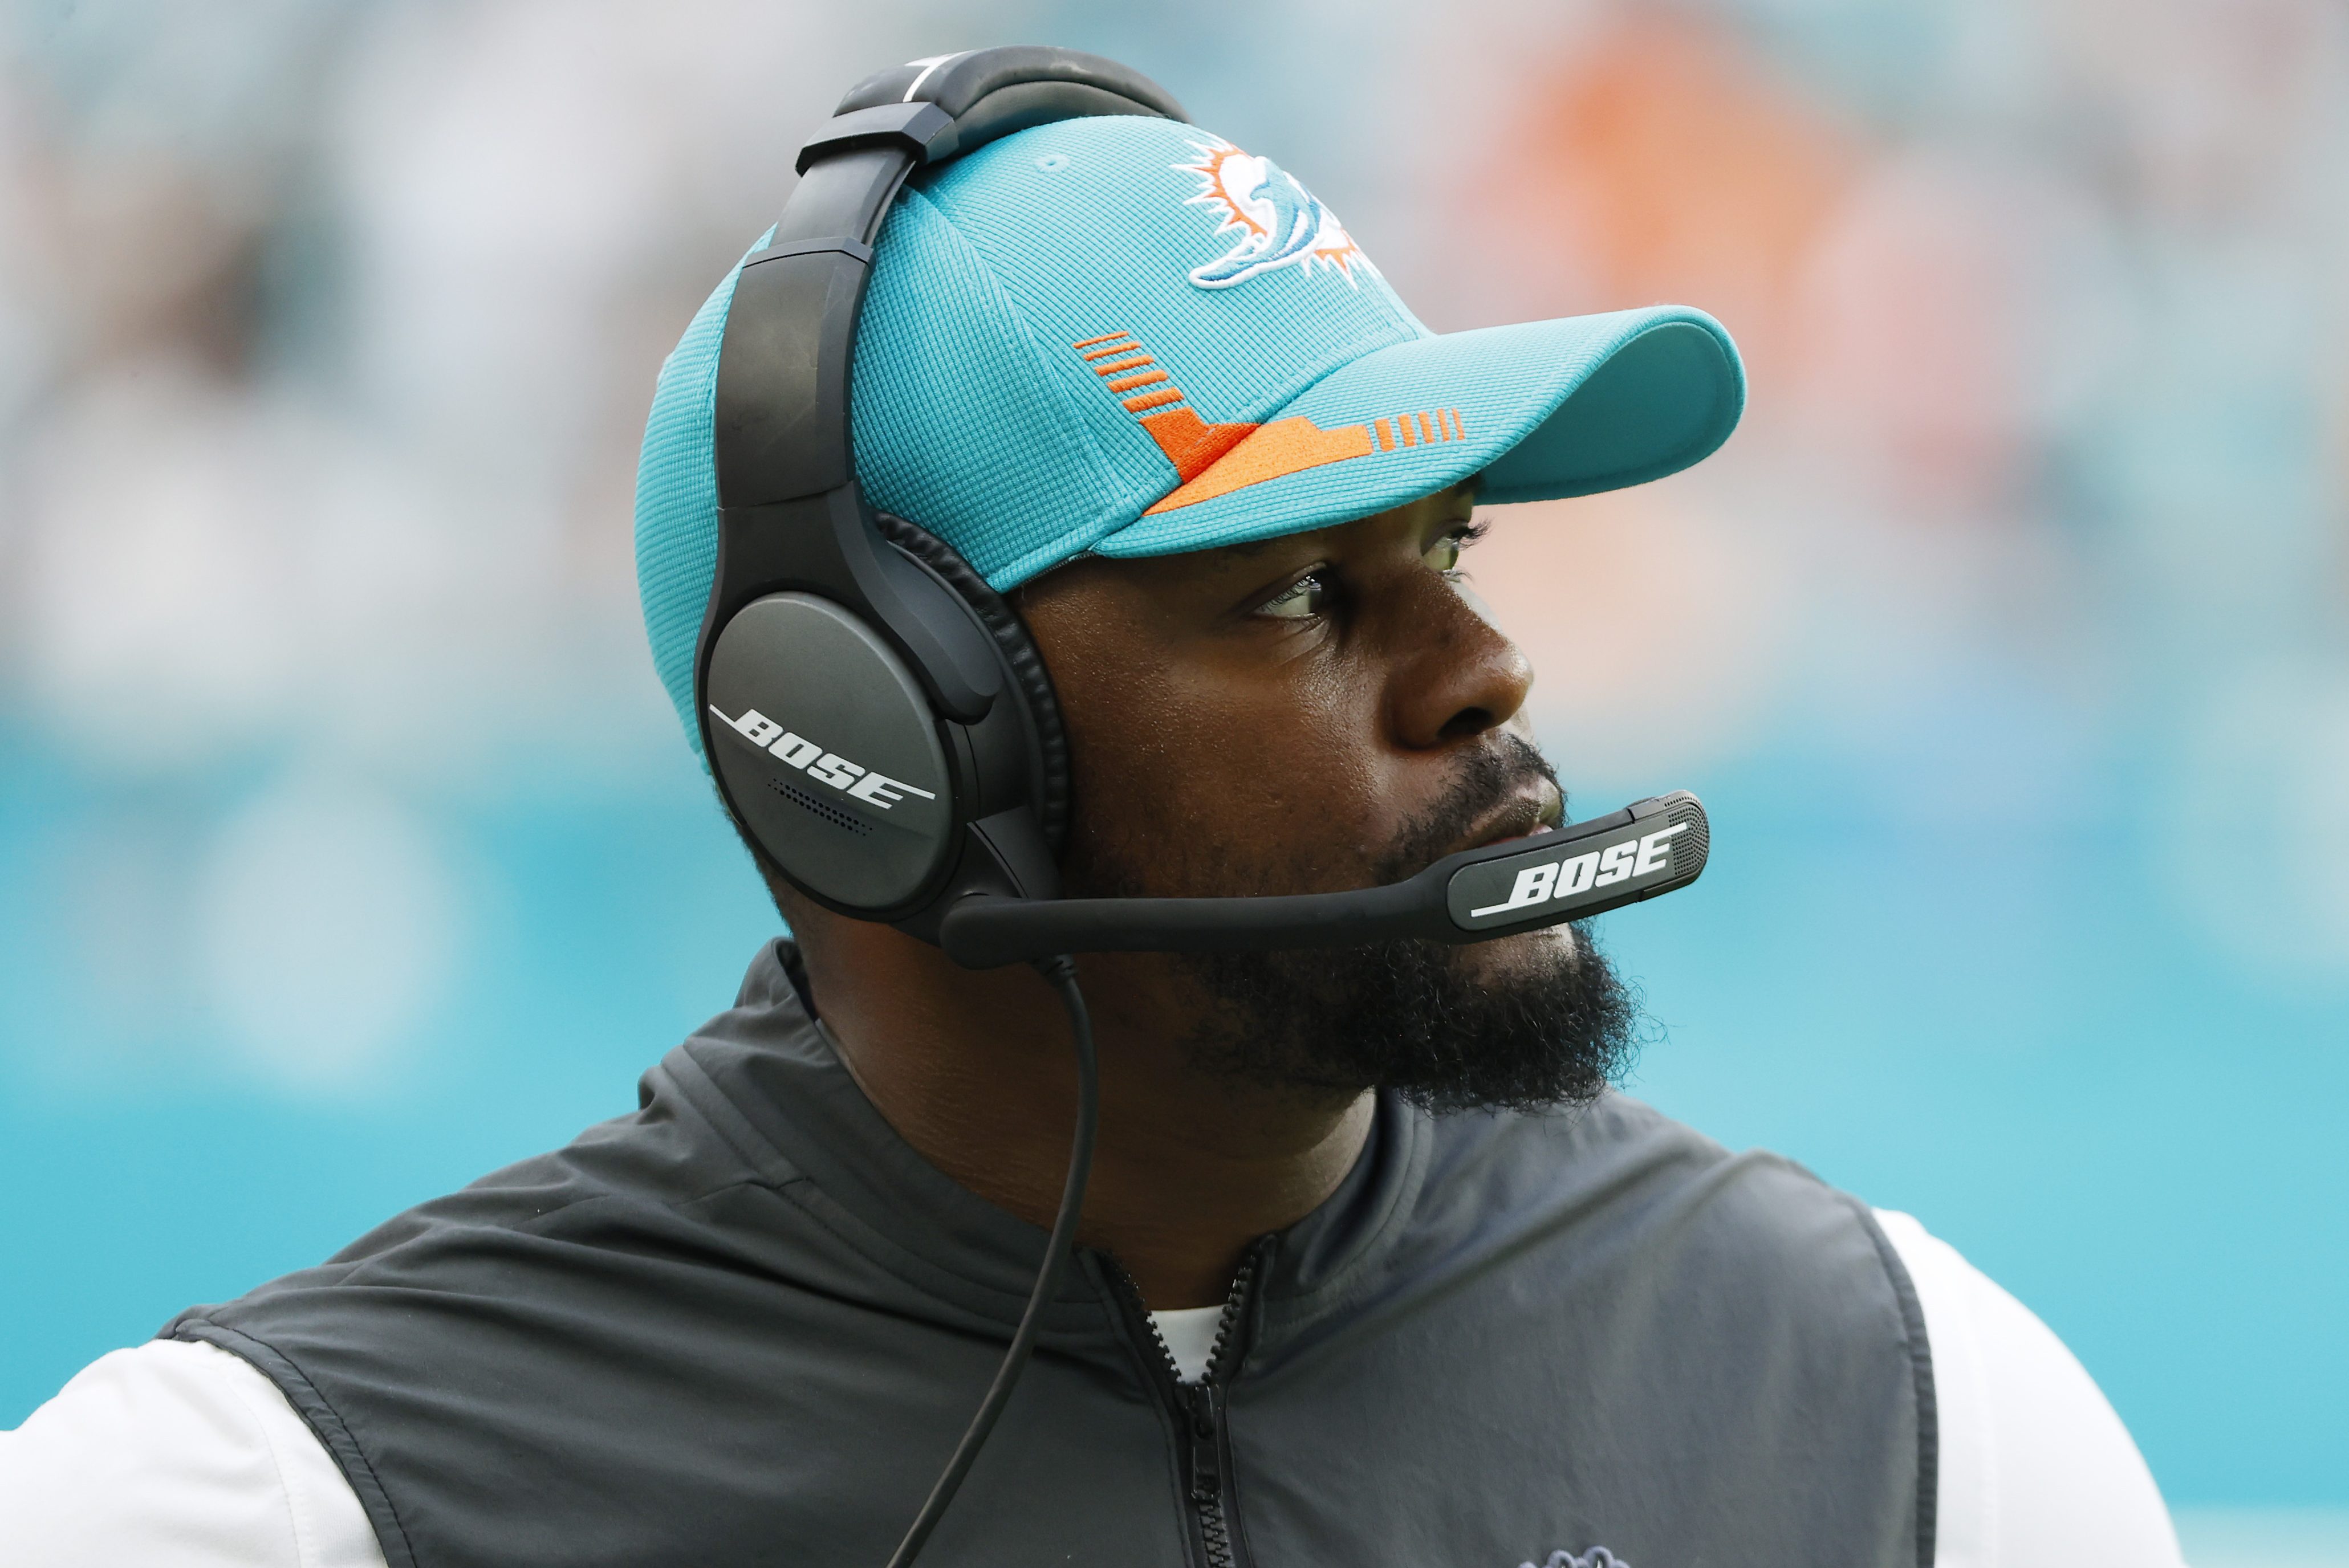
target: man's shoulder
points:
(643, 1183)
(1618, 1184)
(1606, 1283)
(180, 1454)
(1613, 1150)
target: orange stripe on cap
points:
(1386, 434)
(1426, 432)
(1273, 452)
(1153, 400)
(1129, 382)
(1126, 345)
(1105, 337)
(1190, 443)
(1120, 367)
(1409, 438)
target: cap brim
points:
(1541, 409)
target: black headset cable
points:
(1063, 972)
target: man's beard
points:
(1406, 1014)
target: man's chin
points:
(1530, 957)
(1527, 1022)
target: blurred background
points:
(349, 848)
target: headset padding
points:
(1029, 677)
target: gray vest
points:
(747, 1324)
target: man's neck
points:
(975, 1071)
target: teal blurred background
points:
(348, 848)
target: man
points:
(1375, 1269)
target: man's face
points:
(1310, 714)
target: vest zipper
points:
(1198, 1408)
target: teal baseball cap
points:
(1125, 336)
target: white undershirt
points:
(178, 1455)
(1189, 1335)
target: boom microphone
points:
(1649, 846)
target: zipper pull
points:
(1206, 1461)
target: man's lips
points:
(1521, 818)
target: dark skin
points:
(1276, 712)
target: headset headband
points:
(790, 513)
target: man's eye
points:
(1445, 555)
(1306, 596)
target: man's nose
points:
(1456, 674)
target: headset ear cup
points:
(1030, 679)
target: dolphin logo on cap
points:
(1280, 223)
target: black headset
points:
(878, 719)
(875, 716)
